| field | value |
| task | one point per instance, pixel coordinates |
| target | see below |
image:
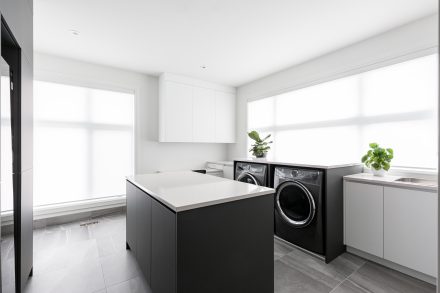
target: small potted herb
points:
(260, 147)
(378, 159)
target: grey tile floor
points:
(71, 258)
(296, 271)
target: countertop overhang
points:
(181, 191)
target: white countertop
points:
(317, 165)
(186, 190)
(390, 180)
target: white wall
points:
(149, 154)
(414, 39)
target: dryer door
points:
(295, 204)
(248, 178)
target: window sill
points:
(63, 209)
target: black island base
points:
(222, 248)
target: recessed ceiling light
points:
(203, 67)
(74, 32)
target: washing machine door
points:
(295, 204)
(248, 178)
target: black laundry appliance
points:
(299, 207)
(253, 173)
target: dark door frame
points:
(11, 53)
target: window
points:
(83, 142)
(395, 106)
(7, 190)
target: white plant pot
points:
(379, 173)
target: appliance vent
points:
(89, 223)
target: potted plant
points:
(261, 146)
(378, 159)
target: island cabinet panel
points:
(138, 231)
(144, 223)
(131, 195)
(226, 247)
(163, 261)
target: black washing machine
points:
(253, 173)
(299, 217)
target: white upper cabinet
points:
(177, 120)
(204, 115)
(225, 117)
(191, 110)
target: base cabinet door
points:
(163, 250)
(363, 217)
(410, 229)
(131, 198)
(143, 244)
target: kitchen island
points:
(192, 233)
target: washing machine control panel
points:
(309, 176)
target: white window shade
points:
(83, 142)
(323, 102)
(7, 190)
(395, 106)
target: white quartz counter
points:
(389, 180)
(182, 191)
(316, 165)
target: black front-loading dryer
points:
(299, 207)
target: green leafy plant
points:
(378, 158)
(261, 146)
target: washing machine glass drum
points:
(248, 178)
(295, 204)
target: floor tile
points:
(135, 285)
(78, 233)
(330, 274)
(65, 256)
(119, 267)
(290, 280)
(280, 249)
(82, 278)
(49, 238)
(349, 287)
(378, 279)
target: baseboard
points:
(392, 265)
(318, 256)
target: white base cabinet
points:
(191, 110)
(396, 224)
(364, 217)
(410, 229)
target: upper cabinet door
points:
(204, 115)
(411, 229)
(176, 112)
(225, 117)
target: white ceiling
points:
(237, 40)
